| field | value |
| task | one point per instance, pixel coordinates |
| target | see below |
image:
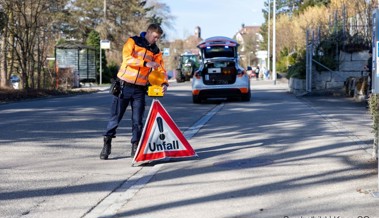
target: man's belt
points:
(123, 84)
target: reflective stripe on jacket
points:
(135, 53)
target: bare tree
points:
(3, 31)
(34, 27)
(27, 38)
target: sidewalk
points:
(288, 157)
(342, 112)
(347, 115)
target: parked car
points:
(219, 74)
(15, 80)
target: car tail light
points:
(195, 92)
(244, 90)
(227, 71)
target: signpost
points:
(375, 70)
(166, 52)
(104, 44)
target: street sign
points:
(161, 138)
(105, 44)
(166, 51)
(261, 54)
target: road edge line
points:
(109, 206)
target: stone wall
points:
(296, 86)
(351, 65)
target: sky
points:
(215, 17)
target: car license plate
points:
(214, 70)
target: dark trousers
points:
(136, 98)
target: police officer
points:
(140, 55)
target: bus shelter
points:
(75, 64)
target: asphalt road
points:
(275, 156)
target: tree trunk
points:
(3, 59)
(3, 74)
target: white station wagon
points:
(220, 75)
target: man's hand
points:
(152, 64)
(164, 88)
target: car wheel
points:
(180, 78)
(246, 97)
(196, 99)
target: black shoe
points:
(106, 151)
(134, 149)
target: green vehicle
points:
(188, 63)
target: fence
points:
(343, 34)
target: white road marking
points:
(109, 206)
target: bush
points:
(286, 59)
(373, 107)
(110, 72)
(298, 68)
(326, 53)
(356, 43)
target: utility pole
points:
(269, 35)
(376, 194)
(274, 43)
(105, 10)
(104, 21)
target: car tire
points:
(196, 99)
(246, 97)
(180, 78)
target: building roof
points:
(249, 29)
(246, 32)
(73, 45)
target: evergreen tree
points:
(93, 40)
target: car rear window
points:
(218, 51)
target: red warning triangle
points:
(161, 138)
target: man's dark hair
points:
(155, 28)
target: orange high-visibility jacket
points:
(135, 53)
